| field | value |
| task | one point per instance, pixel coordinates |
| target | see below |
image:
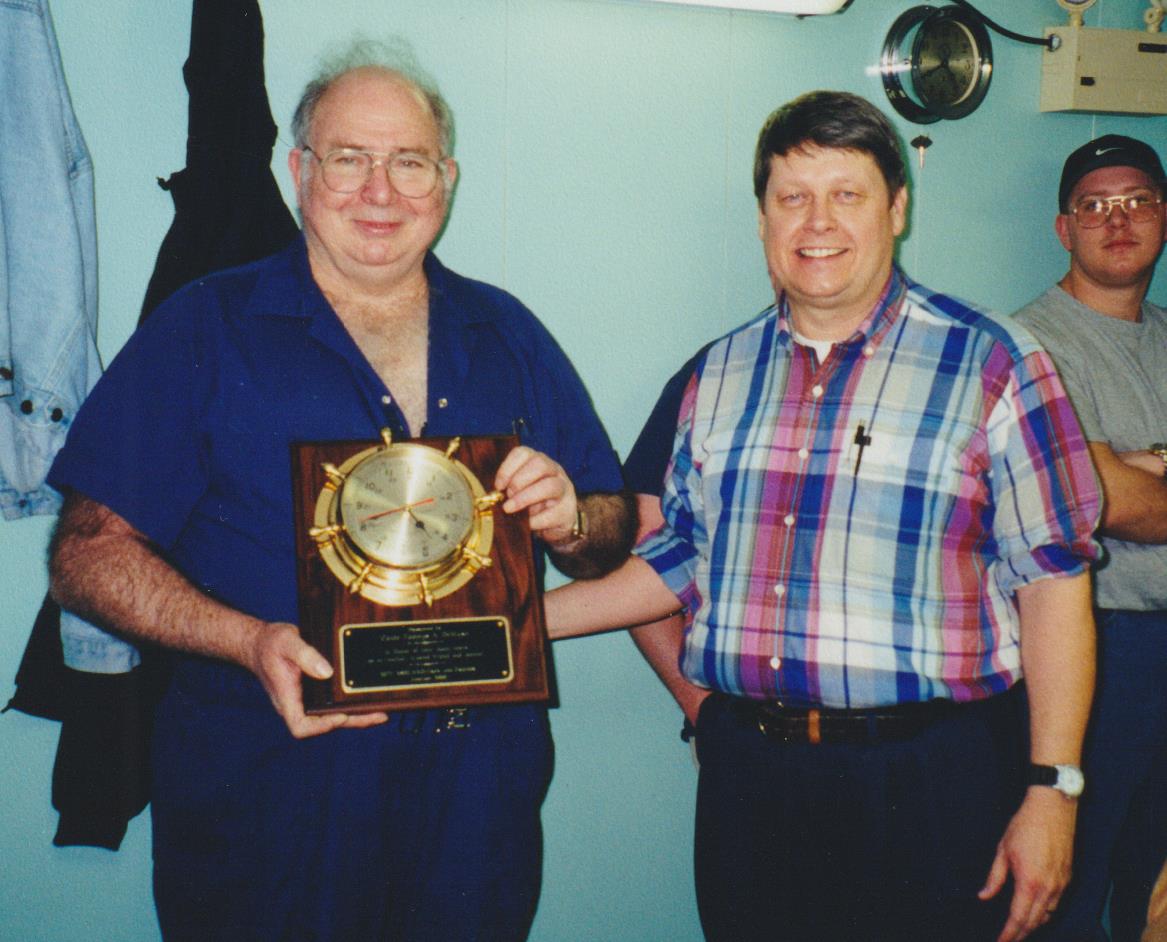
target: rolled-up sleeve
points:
(1046, 496)
(674, 549)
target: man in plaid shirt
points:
(878, 516)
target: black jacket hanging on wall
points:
(228, 211)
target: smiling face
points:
(375, 238)
(1119, 253)
(828, 226)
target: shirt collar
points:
(287, 289)
(885, 313)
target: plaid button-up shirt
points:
(851, 532)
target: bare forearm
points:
(632, 595)
(1057, 658)
(611, 528)
(660, 644)
(1135, 494)
(106, 571)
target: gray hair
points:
(395, 57)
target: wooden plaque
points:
(486, 642)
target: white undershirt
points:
(821, 347)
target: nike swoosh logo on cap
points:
(1104, 150)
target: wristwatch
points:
(1160, 449)
(576, 536)
(1067, 779)
(579, 530)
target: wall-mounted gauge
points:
(936, 63)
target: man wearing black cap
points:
(1110, 346)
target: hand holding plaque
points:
(414, 586)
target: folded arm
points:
(1135, 494)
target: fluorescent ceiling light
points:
(800, 7)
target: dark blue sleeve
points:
(135, 444)
(645, 466)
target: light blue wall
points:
(605, 148)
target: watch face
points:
(406, 507)
(1071, 782)
(947, 65)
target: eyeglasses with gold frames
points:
(1094, 212)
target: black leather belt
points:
(816, 725)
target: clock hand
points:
(394, 510)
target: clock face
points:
(947, 64)
(936, 63)
(406, 508)
(403, 523)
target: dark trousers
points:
(841, 843)
(1122, 823)
(407, 832)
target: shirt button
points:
(803, 454)
(816, 391)
(779, 590)
(386, 400)
(442, 403)
(869, 351)
(788, 520)
(775, 663)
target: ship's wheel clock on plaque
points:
(418, 589)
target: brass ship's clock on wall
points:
(936, 63)
(419, 590)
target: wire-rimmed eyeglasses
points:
(347, 170)
(1094, 212)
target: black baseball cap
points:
(1110, 150)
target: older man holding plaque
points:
(178, 530)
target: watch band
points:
(1067, 779)
(1160, 450)
(578, 534)
(579, 530)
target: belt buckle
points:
(813, 720)
(454, 718)
(814, 729)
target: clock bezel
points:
(899, 66)
(893, 65)
(981, 49)
(381, 581)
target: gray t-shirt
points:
(1115, 372)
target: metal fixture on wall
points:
(1120, 71)
(936, 63)
(1076, 8)
(795, 7)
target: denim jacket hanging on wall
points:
(228, 210)
(48, 260)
